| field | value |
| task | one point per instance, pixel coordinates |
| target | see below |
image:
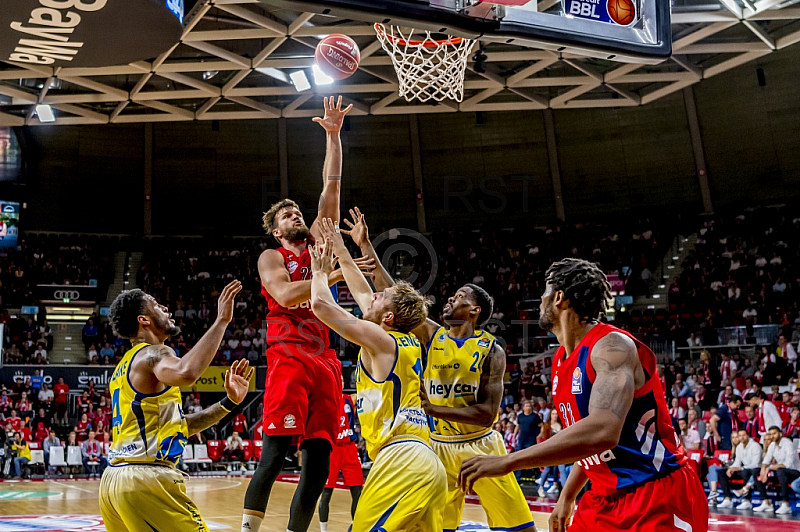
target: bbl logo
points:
(616, 12)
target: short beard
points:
(173, 330)
(546, 319)
(295, 233)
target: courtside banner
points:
(88, 33)
(213, 380)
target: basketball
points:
(622, 11)
(338, 56)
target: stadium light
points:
(45, 113)
(320, 77)
(300, 80)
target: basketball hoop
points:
(427, 68)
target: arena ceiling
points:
(233, 53)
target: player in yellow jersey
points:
(405, 489)
(462, 393)
(464, 384)
(142, 491)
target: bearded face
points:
(547, 310)
(296, 232)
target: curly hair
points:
(410, 307)
(124, 312)
(584, 284)
(483, 300)
(268, 220)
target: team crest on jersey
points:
(555, 384)
(456, 365)
(441, 337)
(292, 266)
(483, 342)
(577, 381)
(288, 421)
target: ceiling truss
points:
(219, 69)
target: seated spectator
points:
(51, 441)
(745, 466)
(21, 453)
(726, 392)
(696, 423)
(234, 450)
(92, 451)
(676, 412)
(691, 438)
(107, 351)
(680, 388)
(692, 405)
(43, 418)
(15, 420)
(781, 458)
(791, 429)
(92, 355)
(5, 403)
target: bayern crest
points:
(292, 266)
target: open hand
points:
(237, 380)
(322, 262)
(330, 230)
(334, 116)
(226, 301)
(358, 227)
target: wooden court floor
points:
(219, 500)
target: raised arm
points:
(490, 393)
(332, 171)
(379, 347)
(237, 382)
(160, 361)
(360, 235)
(616, 364)
(425, 332)
(358, 285)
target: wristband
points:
(228, 404)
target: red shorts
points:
(672, 503)
(303, 393)
(344, 458)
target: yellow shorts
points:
(405, 491)
(147, 498)
(501, 497)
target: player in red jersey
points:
(303, 387)
(617, 426)
(344, 458)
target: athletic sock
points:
(323, 527)
(251, 523)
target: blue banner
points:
(9, 224)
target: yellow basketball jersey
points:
(390, 411)
(145, 428)
(453, 377)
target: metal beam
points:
(697, 148)
(555, 166)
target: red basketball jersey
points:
(297, 324)
(648, 447)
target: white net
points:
(428, 69)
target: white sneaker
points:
(745, 505)
(784, 509)
(742, 492)
(712, 497)
(553, 489)
(541, 492)
(764, 507)
(727, 503)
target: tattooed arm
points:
(619, 373)
(159, 361)
(237, 383)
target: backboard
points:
(635, 31)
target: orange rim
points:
(427, 43)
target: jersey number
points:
(116, 420)
(566, 414)
(474, 367)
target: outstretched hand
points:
(358, 227)
(237, 380)
(334, 115)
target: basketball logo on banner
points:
(616, 12)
